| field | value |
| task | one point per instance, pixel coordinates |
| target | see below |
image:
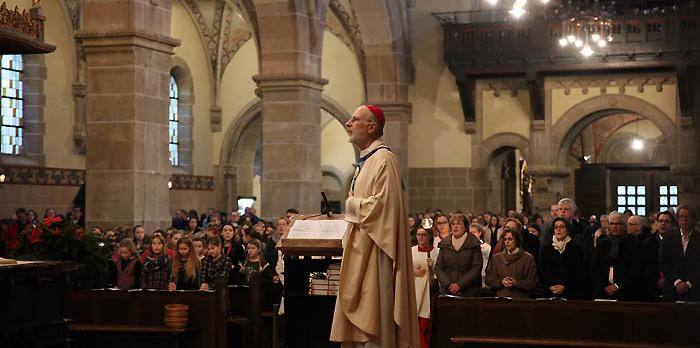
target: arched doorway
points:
(621, 155)
(241, 157)
(505, 161)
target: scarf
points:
(152, 264)
(614, 252)
(511, 257)
(560, 246)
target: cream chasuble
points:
(376, 303)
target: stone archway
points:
(491, 144)
(574, 120)
(495, 151)
(240, 144)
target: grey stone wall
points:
(448, 189)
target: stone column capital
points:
(79, 89)
(108, 41)
(396, 111)
(285, 81)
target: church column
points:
(290, 86)
(686, 170)
(291, 149)
(547, 187)
(387, 81)
(128, 54)
(398, 117)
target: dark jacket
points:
(156, 273)
(677, 265)
(627, 268)
(563, 269)
(520, 266)
(461, 266)
(649, 245)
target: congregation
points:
(616, 256)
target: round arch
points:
(574, 120)
(252, 111)
(497, 141)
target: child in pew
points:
(214, 266)
(186, 268)
(127, 268)
(156, 265)
(199, 248)
(255, 263)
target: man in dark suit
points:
(616, 269)
(649, 246)
(680, 259)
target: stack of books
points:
(325, 284)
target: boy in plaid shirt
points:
(215, 266)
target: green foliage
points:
(57, 240)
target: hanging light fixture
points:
(585, 27)
(637, 142)
(518, 9)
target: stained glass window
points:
(173, 123)
(11, 104)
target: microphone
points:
(326, 208)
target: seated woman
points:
(512, 272)
(561, 265)
(459, 262)
(186, 268)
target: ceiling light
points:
(637, 144)
(587, 51)
(578, 43)
(571, 38)
(595, 37)
(602, 43)
(492, 2)
(563, 42)
(517, 12)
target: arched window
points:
(173, 123)
(12, 105)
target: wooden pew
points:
(137, 316)
(485, 322)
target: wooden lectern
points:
(308, 318)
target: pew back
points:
(582, 323)
(144, 308)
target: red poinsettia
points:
(48, 221)
(80, 233)
(35, 236)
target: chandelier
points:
(585, 24)
(519, 7)
(585, 28)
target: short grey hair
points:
(642, 219)
(569, 202)
(613, 214)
